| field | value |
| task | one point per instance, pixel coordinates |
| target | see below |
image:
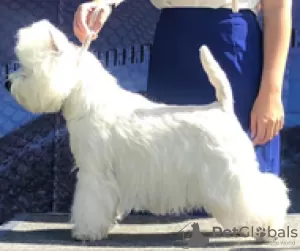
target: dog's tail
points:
(217, 78)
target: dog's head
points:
(47, 68)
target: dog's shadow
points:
(63, 237)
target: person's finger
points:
(261, 132)
(75, 24)
(79, 36)
(253, 126)
(94, 36)
(281, 123)
(279, 126)
(83, 21)
(79, 33)
(97, 25)
(270, 131)
(78, 28)
(74, 21)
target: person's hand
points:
(82, 19)
(267, 117)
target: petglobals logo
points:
(270, 232)
(256, 232)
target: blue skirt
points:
(235, 39)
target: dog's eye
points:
(27, 71)
(24, 73)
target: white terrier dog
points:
(136, 154)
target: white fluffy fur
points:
(136, 154)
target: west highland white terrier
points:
(134, 154)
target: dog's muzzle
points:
(7, 85)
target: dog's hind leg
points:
(264, 202)
(251, 203)
(95, 205)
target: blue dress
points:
(235, 39)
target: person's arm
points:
(267, 116)
(277, 25)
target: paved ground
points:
(52, 233)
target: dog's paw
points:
(78, 235)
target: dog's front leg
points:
(94, 207)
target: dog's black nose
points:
(7, 84)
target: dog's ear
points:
(59, 41)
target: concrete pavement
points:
(34, 232)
